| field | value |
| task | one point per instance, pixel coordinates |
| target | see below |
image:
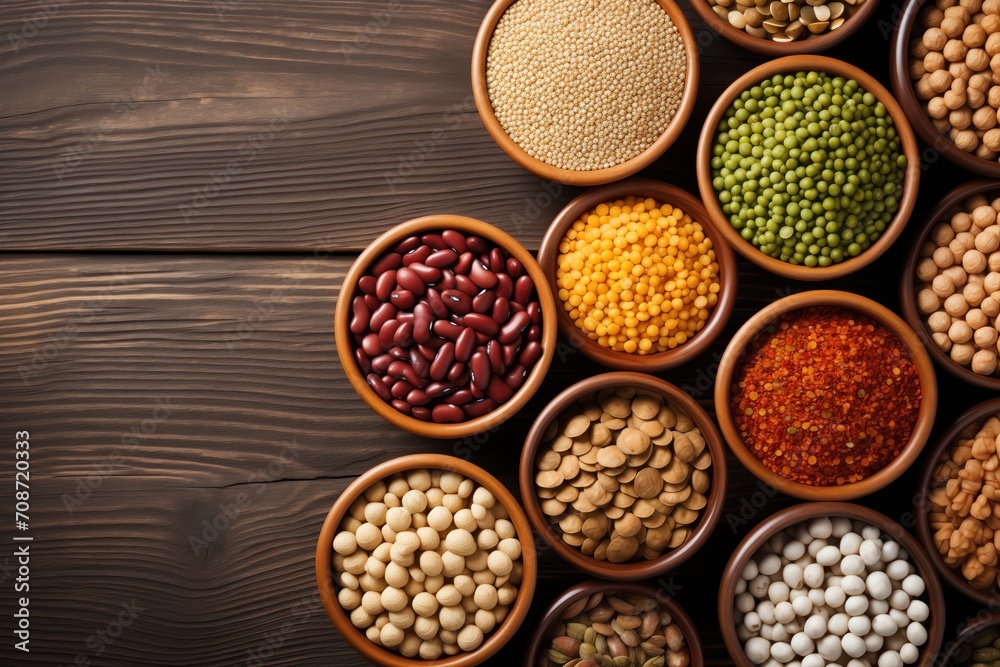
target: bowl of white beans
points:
(825, 583)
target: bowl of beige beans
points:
(623, 475)
(950, 288)
(426, 559)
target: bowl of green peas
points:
(808, 167)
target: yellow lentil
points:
(637, 275)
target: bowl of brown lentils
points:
(590, 100)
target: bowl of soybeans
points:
(584, 93)
(643, 280)
(426, 560)
(944, 69)
(623, 475)
(950, 288)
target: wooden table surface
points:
(182, 187)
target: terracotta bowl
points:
(831, 66)
(760, 321)
(502, 634)
(972, 418)
(570, 176)
(345, 345)
(808, 44)
(548, 254)
(636, 569)
(587, 588)
(907, 293)
(795, 514)
(967, 632)
(902, 86)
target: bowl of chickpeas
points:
(950, 287)
(426, 560)
(943, 73)
(644, 280)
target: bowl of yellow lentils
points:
(644, 281)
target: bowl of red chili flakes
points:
(826, 395)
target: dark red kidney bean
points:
(447, 279)
(385, 284)
(455, 240)
(447, 329)
(499, 391)
(385, 312)
(465, 344)
(363, 360)
(401, 406)
(427, 273)
(457, 301)
(407, 278)
(387, 262)
(362, 315)
(404, 371)
(534, 312)
(421, 413)
(466, 285)
(375, 382)
(399, 353)
(534, 333)
(403, 299)
(404, 335)
(380, 364)
(401, 389)
(497, 262)
(464, 263)
(372, 302)
(389, 381)
(436, 389)
(408, 244)
(422, 318)
(482, 339)
(522, 290)
(515, 307)
(482, 276)
(512, 329)
(530, 354)
(460, 397)
(455, 372)
(505, 286)
(510, 353)
(447, 413)
(515, 376)
(420, 363)
(434, 241)
(476, 392)
(479, 408)
(495, 353)
(404, 316)
(481, 323)
(514, 268)
(417, 255)
(501, 310)
(387, 333)
(367, 284)
(443, 361)
(371, 345)
(481, 373)
(483, 302)
(418, 397)
(426, 352)
(436, 303)
(435, 343)
(441, 259)
(477, 245)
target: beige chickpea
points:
(984, 362)
(410, 647)
(398, 487)
(450, 482)
(375, 567)
(361, 618)
(991, 139)
(349, 599)
(484, 577)
(990, 306)
(439, 518)
(485, 597)
(984, 153)
(943, 286)
(470, 638)
(941, 339)
(375, 492)
(431, 649)
(985, 337)
(993, 260)
(383, 552)
(357, 509)
(427, 626)
(973, 294)
(460, 541)
(988, 240)
(991, 282)
(943, 257)
(954, 99)
(966, 140)
(396, 575)
(430, 539)
(993, 44)
(431, 563)
(984, 118)
(980, 82)
(371, 601)
(419, 479)
(403, 619)
(961, 221)
(940, 80)
(453, 502)
(975, 98)
(477, 561)
(398, 519)
(432, 584)
(937, 109)
(391, 500)
(941, 125)
(976, 319)
(466, 520)
(485, 620)
(952, 27)
(917, 48)
(448, 596)
(956, 274)
(345, 543)
(917, 69)
(922, 87)
(451, 618)
(453, 564)
(926, 270)
(434, 497)
(977, 60)
(991, 24)
(974, 261)
(962, 353)
(504, 529)
(934, 39)
(960, 119)
(939, 321)
(955, 305)
(370, 583)
(394, 599)
(470, 607)
(391, 636)
(927, 301)
(990, 7)
(466, 488)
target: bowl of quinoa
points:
(826, 395)
(581, 94)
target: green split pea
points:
(808, 167)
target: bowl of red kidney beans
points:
(445, 326)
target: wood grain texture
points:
(151, 412)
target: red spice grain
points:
(825, 396)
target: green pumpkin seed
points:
(588, 651)
(622, 661)
(658, 661)
(607, 661)
(590, 636)
(986, 654)
(602, 645)
(576, 631)
(557, 657)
